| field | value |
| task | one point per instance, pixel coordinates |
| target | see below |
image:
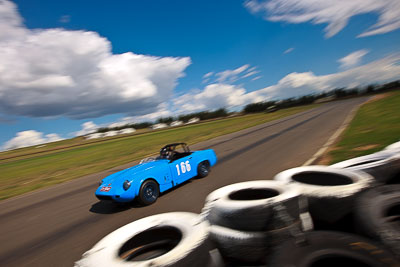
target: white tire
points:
(330, 191)
(382, 165)
(249, 206)
(170, 239)
(393, 147)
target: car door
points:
(182, 169)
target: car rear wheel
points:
(149, 192)
(203, 169)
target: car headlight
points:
(126, 185)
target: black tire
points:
(176, 239)
(395, 179)
(203, 169)
(378, 215)
(249, 206)
(328, 249)
(149, 192)
(331, 192)
(382, 165)
(249, 247)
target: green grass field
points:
(376, 125)
(24, 170)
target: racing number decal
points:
(185, 166)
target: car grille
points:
(104, 197)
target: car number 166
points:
(183, 167)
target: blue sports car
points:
(145, 181)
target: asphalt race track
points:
(54, 226)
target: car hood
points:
(129, 174)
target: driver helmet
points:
(164, 152)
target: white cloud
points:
(352, 59)
(251, 73)
(10, 22)
(251, 69)
(212, 97)
(230, 75)
(335, 13)
(30, 138)
(297, 84)
(53, 138)
(207, 77)
(162, 110)
(256, 78)
(208, 74)
(287, 51)
(292, 85)
(57, 72)
(87, 128)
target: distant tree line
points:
(203, 115)
(308, 99)
(281, 104)
(136, 126)
(336, 93)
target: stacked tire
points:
(331, 192)
(377, 215)
(335, 196)
(249, 219)
(384, 165)
(176, 239)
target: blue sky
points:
(66, 63)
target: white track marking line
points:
(333, 138)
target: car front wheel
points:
(203, 169)
(149, 192)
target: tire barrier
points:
(331, 249)
(249, 206)
(383, 165)
(178, 239)
(377, 215)
(267, 222)
(248, 219)
(393, 147)
(330, 192)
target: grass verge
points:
(376, 125)
(32, 171)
